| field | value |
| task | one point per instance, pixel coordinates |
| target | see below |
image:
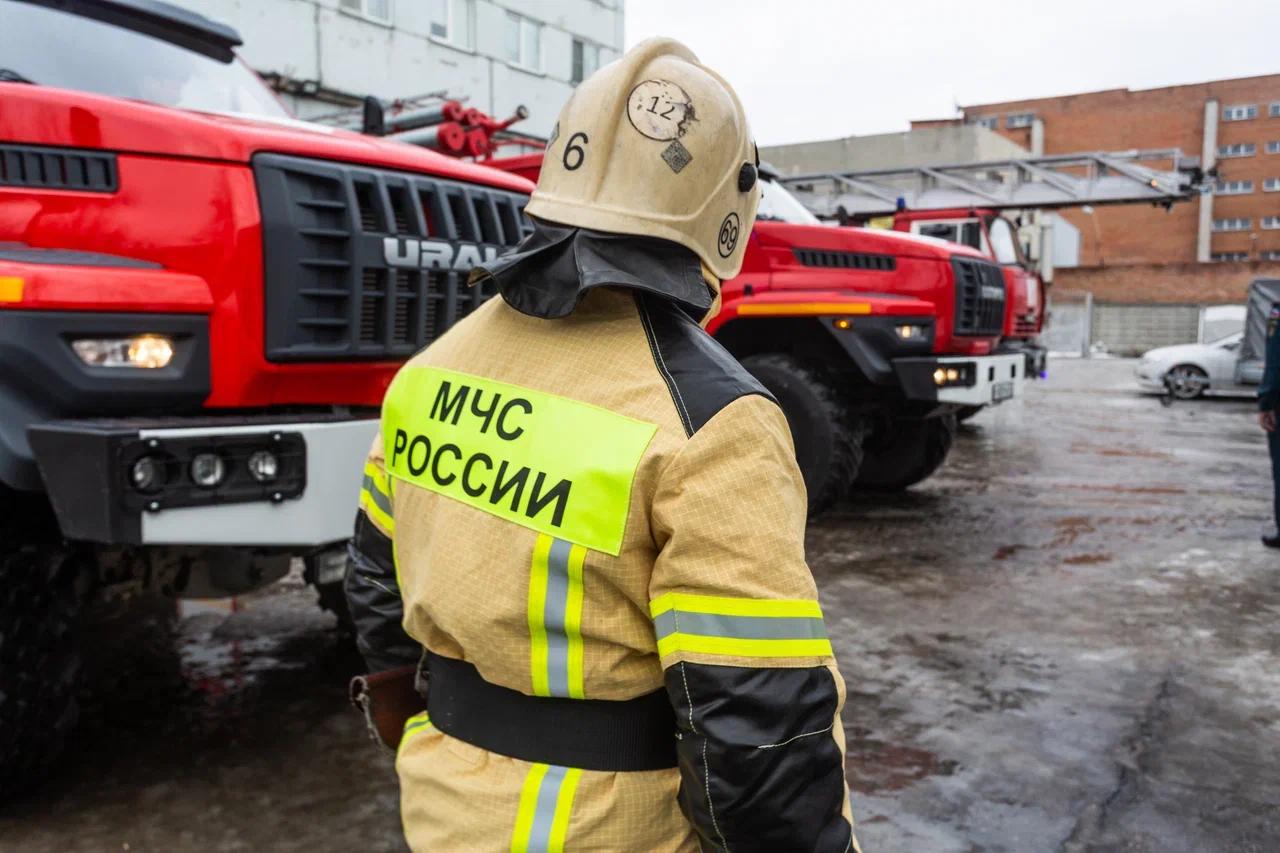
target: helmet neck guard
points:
(551, 270)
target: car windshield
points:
(51, 48)
(781, 206)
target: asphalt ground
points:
(1065, 641)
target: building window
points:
(1013, 121)
(1233, 187)
(451, 22)
(374, 10)
(1232, 223)
(1271, 223)
(1229, 256)
(1271, 255)
(1240, 149)
(989, 122)
(524, 42)
(1274, 112)
(1273, 147)
(1271, 185)
(1240, 113)
(586, 59)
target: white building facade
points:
(494, 54)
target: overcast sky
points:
(817, 69)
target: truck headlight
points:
(137, 351)
(147, 474)
(911, 332)
(207, 470)
(264, 466)
(954, 375)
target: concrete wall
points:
(316, 41)
(1134, 329)
(934, 146)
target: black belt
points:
(593, 734)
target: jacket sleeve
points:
(746, 659)
(1269, 387)
(372, 582)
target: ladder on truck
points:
(1055, 181)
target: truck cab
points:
(996, 237)
(202, 302)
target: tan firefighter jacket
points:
(580, 493)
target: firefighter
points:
(1268, 403)
(590, 518)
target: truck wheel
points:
(906, 453)
(965, 412)
(828, 441)
(43, 589)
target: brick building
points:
(1200, 252)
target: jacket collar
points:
(554, 267)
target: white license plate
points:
(1001, 391)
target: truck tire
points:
(828, 440)
(906, 453)
(965, 412)
(43, 589)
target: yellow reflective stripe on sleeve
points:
(412, 726)
(736, 647)
(375, 497)
(727, 606)
(738, 627)
(555, 618)
(549, 463)
(546, 802)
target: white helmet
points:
(657, 145)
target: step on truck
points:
(202, 302)
(871, 340)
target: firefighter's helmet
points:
(655, 144)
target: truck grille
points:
(845, 260)
(366, 263)
(979, 297)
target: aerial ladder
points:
(1034, 183)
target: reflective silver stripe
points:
(383, 502)
(545, 813)
(553, 615)
(741, 627)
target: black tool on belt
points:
(593, 734)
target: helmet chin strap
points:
(713, 284)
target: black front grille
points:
(58, 169)
(979, 297)
(845, 260)
(330, 231)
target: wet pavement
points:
(1066, 641)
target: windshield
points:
(781, 206)
(49, 48)
(1004, 243)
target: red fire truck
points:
(202, 302)
(871, 340)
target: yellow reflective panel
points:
(548, 463)
(11, 288)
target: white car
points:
(1191, 369)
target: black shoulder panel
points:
(702, 376)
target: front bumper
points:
(987, 380)
(86, 468)
(1150, 376)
